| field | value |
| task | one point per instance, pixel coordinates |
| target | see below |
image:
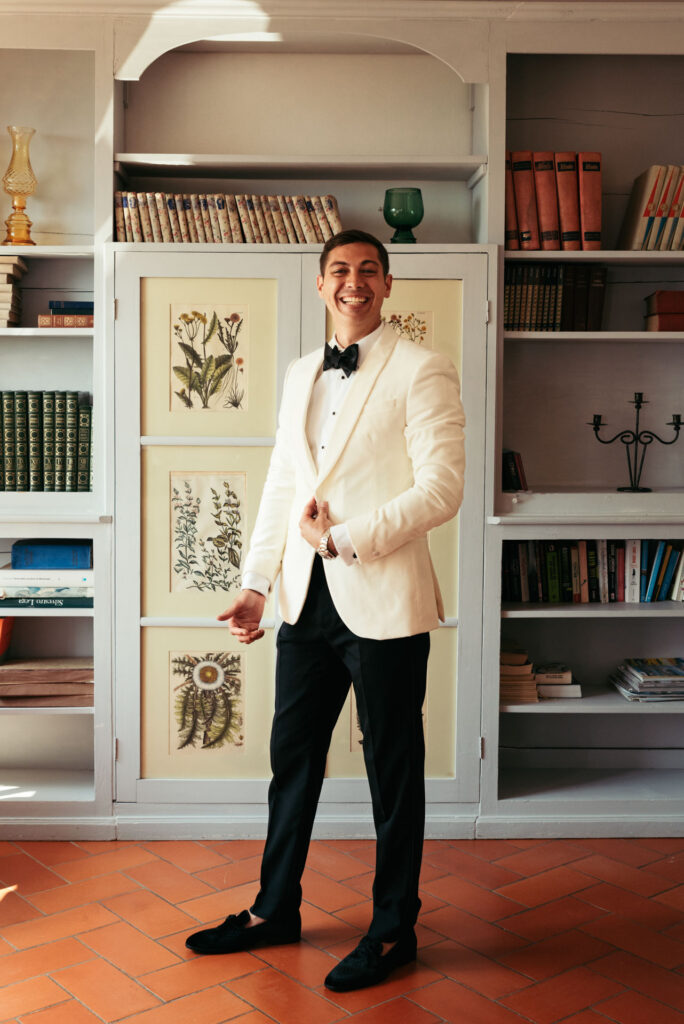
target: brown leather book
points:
(568, 201)
(525, 199)
(547, 200)
(511, 230)
(589, 179)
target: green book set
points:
(45, 441)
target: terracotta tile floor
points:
(580, 931)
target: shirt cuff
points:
(255, 581)
(340, 537)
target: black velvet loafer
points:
(366, 965)
(233, 936)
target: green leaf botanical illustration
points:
(207, 531)
(212, 373)
(208, 701)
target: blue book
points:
(75, 306)
(52, 554)
(654, 570)
(664, 592)
(643, 577)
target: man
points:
(368, 458)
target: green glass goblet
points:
(403, 210)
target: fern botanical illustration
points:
(207, 703)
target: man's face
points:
(353, 288)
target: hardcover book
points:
(568, 201)
(525, 199)
(547, 200)
(590, 198)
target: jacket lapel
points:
(303, 387)
(361, 388)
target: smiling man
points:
(369, 457)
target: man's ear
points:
(319, 283)
(388, 285)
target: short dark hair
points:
(349, 238)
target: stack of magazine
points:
(650, 679)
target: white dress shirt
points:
(329, 393)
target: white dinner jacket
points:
(393, 470)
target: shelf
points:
(549, 505)
(596, 700)
(45, 785)
(46, 711)
(614, 610)
(197, 165)
(52, 613)
(559, 785)
(49, 251)
(46, 332)
(636, 258)
(594, 336)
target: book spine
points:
(632, 570)
(547, 200)
(511, 240)
(568, 201)
(83, 456)
(206, 219)
(593, 572)
(213, 217)
(119, 225)
(287, 219)
(304, 218)
(197, 218)
(136, 226)
(182, 219)
(663, 207)
(153, 211)
(71, 439)
(251, 213)
(314, 219)
(71, 305)
(48, 440)
(296, 223)
(46, 602)
(525, 199)
(241, 202)
(553, 572)
(189, 218)
(60, 440)
(173, 217)
(580, 303)
(145, 219)
(21, 439)
(31, 554)
(35, 440)
(9, 462)
(260, 220)
(234, 219)
(2, 450)
(163, 214)
(281, 233)
(596, 297)
(128, 230)
(332, 212)
(590, 198)
(268, 217)
(319, 213)
(222, 215)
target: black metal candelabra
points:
(636, 441)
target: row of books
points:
(655, 212)
(215, 217)
(68, 313)
(592, 571)
(553, 296)
(47, 682)
(665, 310)
(49, 568)
(523, 682)
(12, 269)
(650, 680)
(45, 441)
(553, 200)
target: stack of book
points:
(215, 217)
(67, 313)
(553, 297)
(46, 682)
(555, 680)
(54, 573)
(650, 679)
(512, 471)
(516, 678)
(12, 269)
(592, 571)
(665, 310)
(45, 441)
(655, 212)
(553, 200)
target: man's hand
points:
(314, 522)
(244, 615)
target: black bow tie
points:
(341, 358)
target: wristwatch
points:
(323, 549)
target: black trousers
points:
(318, 658)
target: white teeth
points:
(353, 302)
